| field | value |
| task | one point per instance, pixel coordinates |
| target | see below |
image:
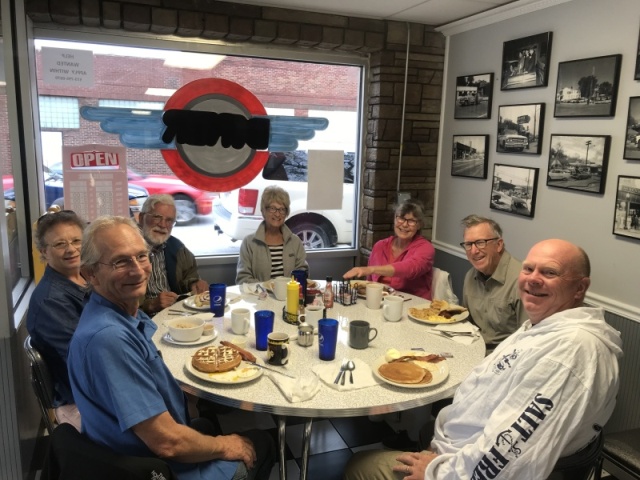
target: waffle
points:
(216, 359)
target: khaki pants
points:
(373, 465)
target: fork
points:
(450, 334)
(343, 370)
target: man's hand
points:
(162, 301)
(199, 286)
(238, 448)
(413, 465)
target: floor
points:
(333, 441)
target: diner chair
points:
(42, 384)
(621, 454)
(441, 287)
(585, 464)
(72, 455)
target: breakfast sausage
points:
(247, 356)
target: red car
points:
(189, 200)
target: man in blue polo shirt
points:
(128, 399)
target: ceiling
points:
(429, 12)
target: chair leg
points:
(597, 474)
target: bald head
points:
(554, 277)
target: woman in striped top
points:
(274, 250)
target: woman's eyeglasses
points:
(281, 211)
(412, 222)
(63, 244)
(50, 214)
(141, 259)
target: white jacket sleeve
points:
(531, 423)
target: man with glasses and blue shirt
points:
(175, 270)
(128, 399)
(490, 290)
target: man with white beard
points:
(175, 270)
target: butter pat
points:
(391, 354)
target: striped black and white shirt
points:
(277, 268)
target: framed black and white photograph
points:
(470, 156)
(626, 217)
(525, 62)
(474, 95)
(588, 87)
(579, 162)
(514, 189)
(632, 134)
(520, 128)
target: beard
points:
(155, 238)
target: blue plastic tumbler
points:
(327, 338)
(263, 327)
(217, 294)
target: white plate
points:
(203, 339)
(386, 289)
(243, 373)
(455, 319)
(268, 285)
(191, 302)
(439, 371)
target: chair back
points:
(441, 287)
(582, 465)
(42, 383)
(73, 455)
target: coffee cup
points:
(277, 348)
(240, 321)
(312, 314)
(360, 334)
(280, 288)
(374, 295)
(392, 308)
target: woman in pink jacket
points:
(404, 260)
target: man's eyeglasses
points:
(141, 259)
(412, 222)
(480, 244)
(156, 219)
(63, 244)
(281, 211)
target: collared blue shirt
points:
(119, 380)
(54, 312)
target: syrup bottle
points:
(328, 293)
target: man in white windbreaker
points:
(544, 393)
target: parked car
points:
(237, 213)
(189, 200)
(54, 193)
(581, 175)
(519, 205)
(500, 201)
(559, 174)
(510, 140)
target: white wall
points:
(581, 29)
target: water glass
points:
(264, 326)
(327, 338)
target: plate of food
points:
(361, 287)
(411, 369)
(202, 301)
(437, 312)
(223, 364)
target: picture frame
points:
(637, 73)
(626, 214)
(470, 156)
(525, 62)
(579, 162)
(520, 128)
(632, 132)
(474, 96)
(514, 189)
(588, 87)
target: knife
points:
(270, 369)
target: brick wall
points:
(384, 42)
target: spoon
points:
(351, 367)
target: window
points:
(146, 78)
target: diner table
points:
(262, 394)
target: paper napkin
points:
(467, 327)
(362, 375)
(298, 389)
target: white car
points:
(237, 213)
(559, 174)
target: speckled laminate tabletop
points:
(262, 395)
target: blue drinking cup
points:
(217, 294)
(263, 327)
(327, 338)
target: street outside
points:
(468, 167)
(599, 109)
(591, 184)
(202, 239)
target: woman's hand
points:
(358, 272)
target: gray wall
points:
(581, 29)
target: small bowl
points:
(185, 329)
